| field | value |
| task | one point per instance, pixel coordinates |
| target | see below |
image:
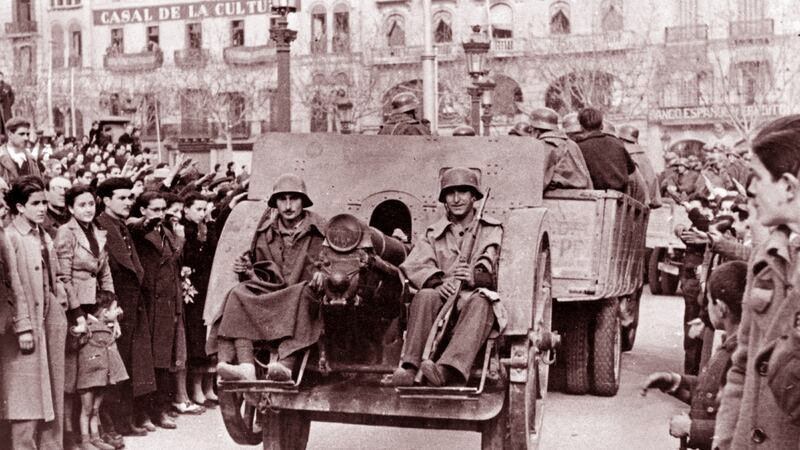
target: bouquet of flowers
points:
(188, 288)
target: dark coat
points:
(6, 101)
(403, 124)
(608, 162)
(135, 344)
(199, 256)
(160, 254)
(53, 220)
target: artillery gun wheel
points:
(518, 426)
(607, 352)
(575, 350)
(653, 274)
(286, 430)
(240, 417)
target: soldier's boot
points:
(403, 377)
(237, 372)
(281, 370)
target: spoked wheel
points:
(518, 426)
(286, 430)
(607, 352)
(242, 420)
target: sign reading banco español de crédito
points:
(180, 11)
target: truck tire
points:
(669, 283)
(607, 350)
(286, 430)
(653, 274)
(575, 350)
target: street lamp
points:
(345, 110)
(476, 49)
(283, 37)
(487, 86)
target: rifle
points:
(440, 324)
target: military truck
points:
(573, 255)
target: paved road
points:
(627, 421)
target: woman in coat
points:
(32, 391)
(83, 269)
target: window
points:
(559, 22)
(24, 12)
(341, 29)
(395, 31)
(319, 37)
(611, 18)
(750, 9)
(64, 3)
(194, 36)
(237, 113)
(576, 90)
(194, 120)
(752, 81)
(237, 33)
(442, 28)
(23, 63)
(75, 46)
(117, 41)
(502, 21)
(57, 45)
(152, 39)
(687, 12)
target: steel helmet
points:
(404, 102)
(460, 176)
(570, 123)
(680, 162)
(629, 133)
(287, 183)
(464, 130)
(523, 128)
(544, 119)
(609, 128)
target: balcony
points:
(192, 58)
(411, 54)
(20, 29)
(507, 47)
(249, 56)
(133, 62)
(752, 31)
(686, 33)
(584, 43)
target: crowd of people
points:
(105, 258)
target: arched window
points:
(611, 16)
(577, 90)
(319, 36)
(442, 28)
(507, 95)
(58, 120)
(57, 45)
(396, 31)
(75, 45)
(559, 18)
(341, 28)
(502, 21)
(24, 60)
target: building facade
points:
(203, 68)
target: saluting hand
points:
(26, 344)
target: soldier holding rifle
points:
(454, 267)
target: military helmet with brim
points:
(570, 123)
(404, 102)
(629, 133)
(544, 119)
(289, 183)
(460, 177)
(464, 130)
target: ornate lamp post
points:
(476, 49)
(345, 109)
(487, 86)
(283, 37)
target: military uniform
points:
(565, 166)
(403, 124)
(648, 174)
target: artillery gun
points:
(373, 186)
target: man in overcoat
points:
(134, 344)
(433, 266)
(276, 301)
(609, 164)
(159, 251)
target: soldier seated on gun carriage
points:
(279, 290)
(439, 265)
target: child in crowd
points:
(726, 286)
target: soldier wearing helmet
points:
(630, 138)
(522, 128)
(571, 126)
(279, 287)
(565, 167)
(433, 267)
(403, 118)
(680, 181)
(464, 130)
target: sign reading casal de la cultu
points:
(182, 11)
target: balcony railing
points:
(584, 43)
(133, 62)
(21, 28)
(686, 33)
(411, 54)
(249, 56)
(191, 58)
(745, 30)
